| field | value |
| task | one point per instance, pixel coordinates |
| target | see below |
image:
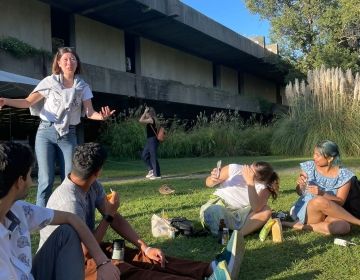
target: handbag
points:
(160, 135)
(183, 225)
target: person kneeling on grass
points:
(61, 256)
(241, 197)
(81, 194)
(323, 186)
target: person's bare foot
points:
(295, 225)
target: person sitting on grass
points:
(241, 197)
(323, 186)
(81, 194)
(61, 256)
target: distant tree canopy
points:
(312, 33)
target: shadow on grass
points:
(301, 276)
(288, 260)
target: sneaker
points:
(277, 232)
(220, 272)
(151, 173)
(233, 254)
(152, 177)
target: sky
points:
(234, 15)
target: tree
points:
(312, 33)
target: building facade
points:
(159, 52)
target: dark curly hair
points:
(15, 161)
(88, 158)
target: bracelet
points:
(103, 263)
(146, 250)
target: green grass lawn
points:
(302, 256)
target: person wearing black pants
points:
(149, 154)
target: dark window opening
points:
(130, 53)
(216, 75)
(60, 29)
(278, 94)
(240, 82)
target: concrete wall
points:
(99, 44)
(28, 21)
(165, 63)
(257, 87)
(229, 80)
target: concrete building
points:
(161, 52)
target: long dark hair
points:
(266, 174)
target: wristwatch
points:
(108, 218)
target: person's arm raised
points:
(301, 183)
(106, 270)
(216, 177)
(144, 118)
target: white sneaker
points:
(152, 177)
(151, 173)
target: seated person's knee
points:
(339, 227)
(212, 216)
(319, 203)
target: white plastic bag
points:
(161, 227)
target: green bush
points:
(222, 134)
(19, 49)
(326, 106)
(125, 138)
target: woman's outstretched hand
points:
(106, 112)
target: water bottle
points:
(221, 230)
(225, 236)
(118, 249)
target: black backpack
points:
(352, 203)
(183, 225)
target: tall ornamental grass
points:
(326, 106)
(221, 134)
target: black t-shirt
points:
(151, 130)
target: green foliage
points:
(222, 134)
(125, 138)
(19, 49)
(326, 107)
(314, 33)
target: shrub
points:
(221, 134)
(326, 106)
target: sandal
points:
(165, 189)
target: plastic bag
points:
(161, 227)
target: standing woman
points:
(149, 153)
(59, 101)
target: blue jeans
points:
(49, 148)
(149, 155)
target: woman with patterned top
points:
(59, 100)
(323, 186)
